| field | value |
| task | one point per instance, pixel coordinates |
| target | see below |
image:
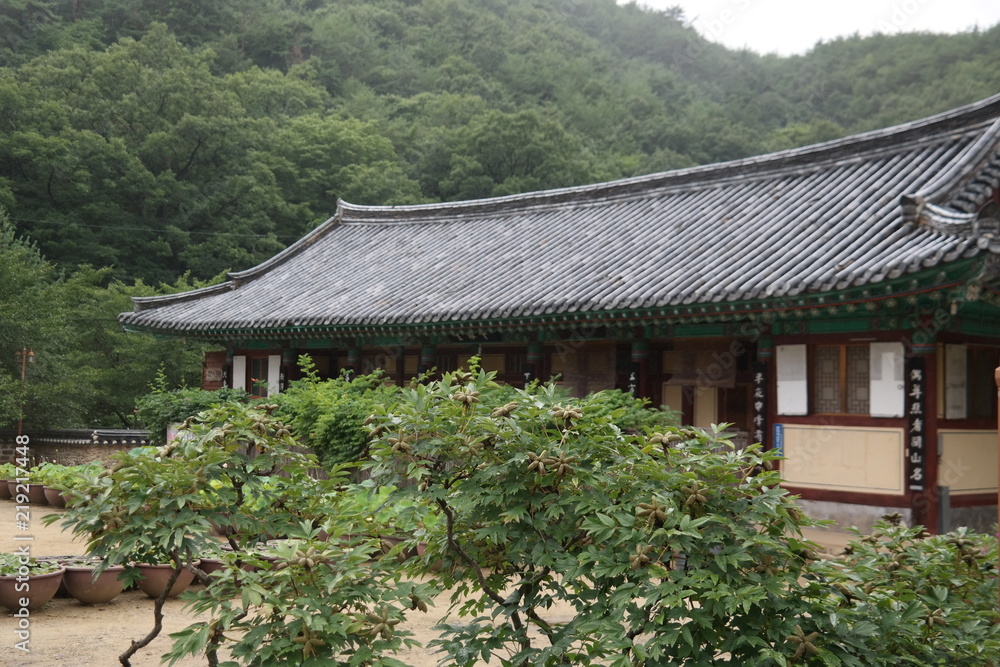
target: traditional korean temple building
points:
(840, 302)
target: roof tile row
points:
(845, 213)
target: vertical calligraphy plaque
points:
(916, 441)
(758, 429)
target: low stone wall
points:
(980, 519)
(73, 446)
(848, 515)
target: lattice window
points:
(857, 381)
(826, 378)
(841, 379)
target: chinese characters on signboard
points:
(759, 403)
(916, 446)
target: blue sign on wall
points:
(779, 438)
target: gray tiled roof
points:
(845, 213)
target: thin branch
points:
(157, 617)
(452, 544)
(215, 638)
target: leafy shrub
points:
(631, 413)
(309, 602)
(162, 407)
(911, 598)
(65, 477)
(328, 416)
(343, 610)
(670, 547)
(12, 564)
(46, 473)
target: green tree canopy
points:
(212, 135)
(104, 369)
(501, 153)
(25, 314)
(199, 172)
(86, 371)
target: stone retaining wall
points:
(73, 446)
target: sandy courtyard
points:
(67, 633)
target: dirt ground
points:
(67, 633)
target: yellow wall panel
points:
(706, 407)
(673, 396)
(864, 460)
(968, 461)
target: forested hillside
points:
(159, 143)
(165, 136)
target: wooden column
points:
(288, 368)
(227, 369)
(920, 439)
(535, 353)
(639, 368)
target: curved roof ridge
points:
(963, 170)
(771, 227)
(238, 277)
(950, 202)
(793, 160)
(309, 239)
(141, 303)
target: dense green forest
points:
(159, 143)
(211, 134)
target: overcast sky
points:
(794, 26)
